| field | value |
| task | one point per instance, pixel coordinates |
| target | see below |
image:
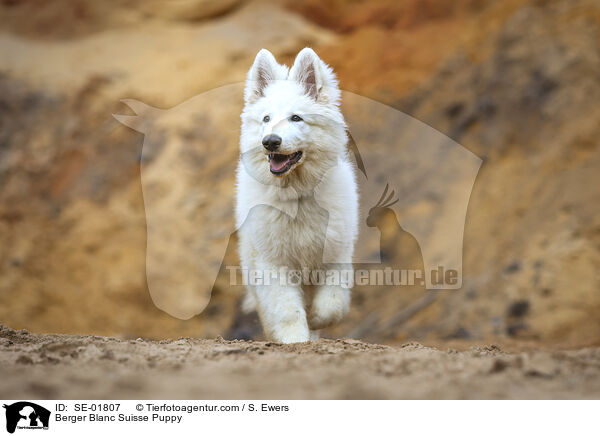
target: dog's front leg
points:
(281, 311)
(331, 301)
(329, 306)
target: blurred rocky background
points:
(516, 82)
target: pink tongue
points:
(277, 165)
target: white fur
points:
(288, 220)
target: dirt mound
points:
(66, 19)
(63, 366)
(527, 105)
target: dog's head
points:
(292, 128)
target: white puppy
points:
(297, 201)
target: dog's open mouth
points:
(282, 163)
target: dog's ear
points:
(317, 78)
(264, 71)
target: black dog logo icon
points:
(26, 415)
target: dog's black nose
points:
(272, 142)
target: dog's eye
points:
(266, 119)
(295, 118)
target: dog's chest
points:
(294, 241)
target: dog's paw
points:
(329, 307)
(291, 333)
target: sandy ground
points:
(92, 367)
(511, 81)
